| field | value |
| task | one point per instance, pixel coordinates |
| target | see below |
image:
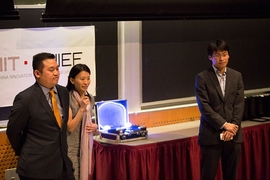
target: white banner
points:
(71, 45)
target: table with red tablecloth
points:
(172, 153)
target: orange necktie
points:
(55, 109)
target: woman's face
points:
(81, 82)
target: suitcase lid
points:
(112, 114)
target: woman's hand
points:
(91, 128)
(85, 101)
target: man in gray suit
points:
(220, 97)
(33, 131)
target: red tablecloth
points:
(178, 159)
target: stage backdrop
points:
(71, 45)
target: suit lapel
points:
(43, 101)
(63, 100)
(213, 77)
(228, 82)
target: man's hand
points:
(231, 128)
(227, 136)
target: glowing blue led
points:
(112, 114)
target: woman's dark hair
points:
(75, 70)
(218, 45)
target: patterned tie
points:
(55, 109)
(223, 81)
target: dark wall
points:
(106, 51)
(173, 52)
(63, 10)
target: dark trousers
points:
(228, 152)
(63, 176)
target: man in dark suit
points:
(33, 131)
(220, 97)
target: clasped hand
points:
(231, 130)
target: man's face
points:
(220, 59)
(49, 75)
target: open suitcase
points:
(113, 122)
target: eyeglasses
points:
(219, 55)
